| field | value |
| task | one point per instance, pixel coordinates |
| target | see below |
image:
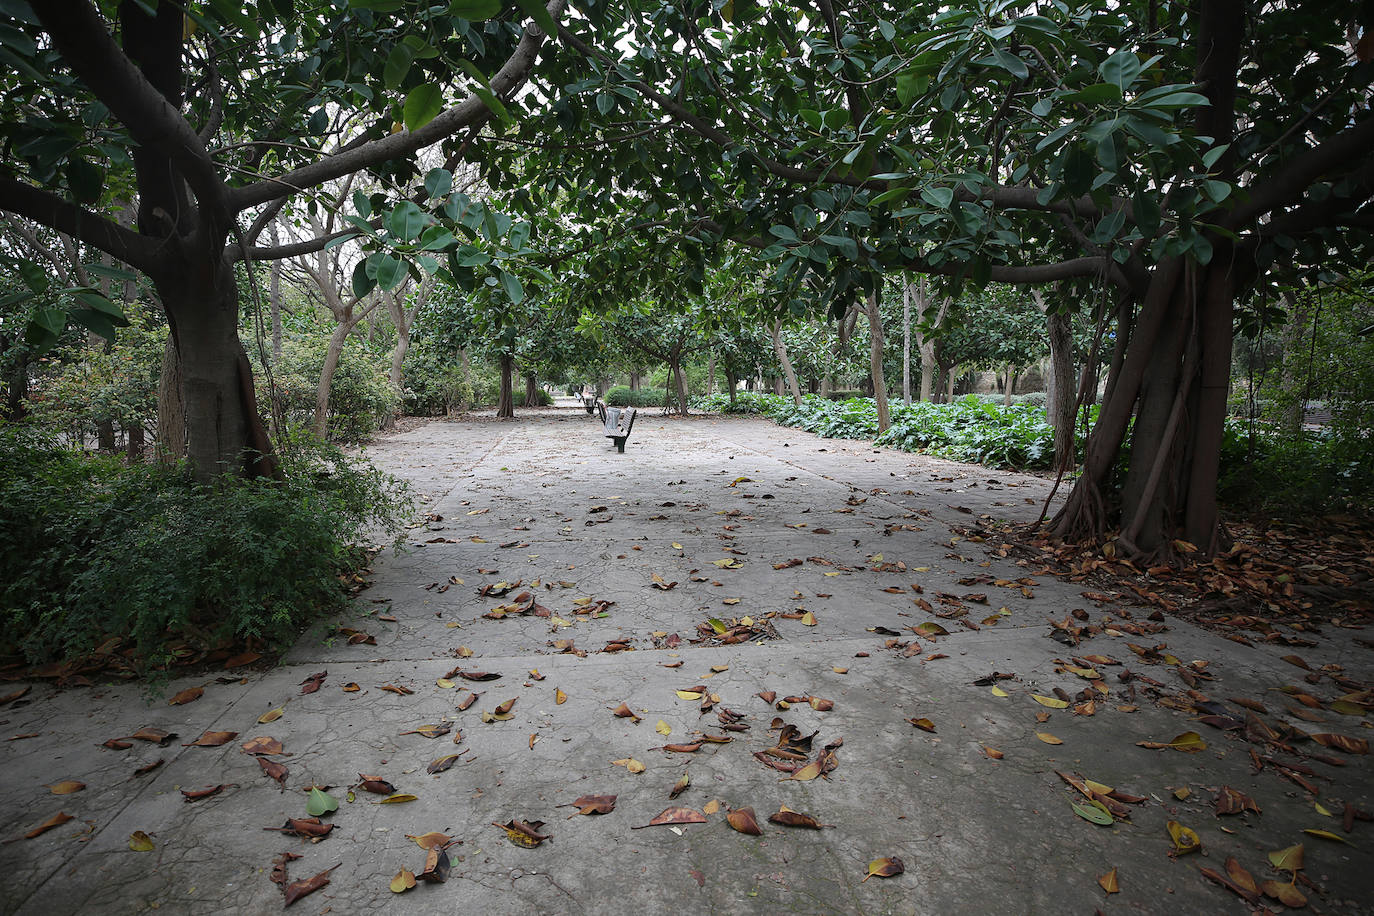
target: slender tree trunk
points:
(1011, 386)
(505, 404)
(1061, 400)
(398, 354)
(906, 342)
(680, 386)
(711, 374)
(634, 381)
(133, 447)
(875, 337)
(531, 390)
(332, 353)
(780, 350)
(1294, 357)
(274, 300)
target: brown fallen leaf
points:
(263, 744)
(1048, 738)
(786, 817)
(314, 682)
(1188, 742)
(197, 794)
(1285, 893)
(593, 804)
(524, 833)
(306, 886)
(375, 784)
(189, 695)
(992, 752)
(66, 787)
(680, 786)
(885, 868)
(671, 816)
(430, 840)
(56, 820)
(924, 725)
(115, 744)
(438, 730)
(274, 770)
(437, 865)
(1109, 883)
(399, 690)
(351, 687)
(213, 739)
(1233, 801)
(441, 764)
(744, 821)
(681, 748)
(474, 675)
(1342, 743)
(467, 701)
(149, 767)
(309, 828)
(625, 712)
(155, 735)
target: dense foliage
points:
(98, 549)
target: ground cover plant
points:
(167, 566)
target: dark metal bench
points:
(619, 421)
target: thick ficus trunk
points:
(224, 434)
(171, 413)
(505, 404)
(531, 390)
(678, 385)
(875, 337)
(732, 382)
(780, 349)
(634, 381)
(333, 351)
(1061, 393)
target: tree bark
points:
(333, 352)
(680, 386)
(906, 342)
(1011, 386)
(780, 349)
(875, 337)
(732, 382)
(171, 413)
(711, 374)
(1061, 401)
(274, 301)
(531, 390)
(505, 404)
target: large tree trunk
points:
(333, 351)
(780, 349)
(678, 384)
(224, 434)
(875, 337)
(505, 404)
(171, 413)
(531, 390)
(634, 381)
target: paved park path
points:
(834, 551)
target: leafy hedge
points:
(96, 549)
(622, 396)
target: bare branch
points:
(52, 211)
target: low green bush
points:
(96, 549)
(844, 395)
(360, 397)
(623, 396)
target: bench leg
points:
(620, 444)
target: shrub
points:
(844, 395)
(623, 396)
(433, 385)
(360, 396)
(96, 549)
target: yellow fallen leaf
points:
(445, 683)
(1048, 738)
(1322, 811)
(687, 694)
(808, 619)
(718, 669)
(561, 622)
(66, 787)
(999, 692)
(808, 772)
(453, 625)
(464, 652)
(1287, 859)
(1109, 882)
(397, 799)
(832, 574)
(559, 697)
(430, 840)
(1327, 835)
(730, 601)
(271, 715)
(140, 842)
(1182, 793)
(629, 763)
(747, 621)
(711, 806)
(1185, 839)
(662, 728)
(404, 881)
(839, 670)
(1051, 702)
(676, 545)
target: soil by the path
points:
(867, 607)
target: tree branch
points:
(52, 211)
(1287, 185)
(79, 33)
(472, 110)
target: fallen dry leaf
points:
(523, 833)
(306, 886)
(141, 842)
(1109, 882)
(593, 804)
(56, 820)
(675, 816)
(273, 769)
(430, 840)
(1188, 742)
(885, 868)
(404, 881)
(262, 745)
(314, 682)
(66, 787)
(629, 763)
(189, 695)
(1185, 839)
(271, 715)
(197, 794)
(625, 712)
(213, 739)
(789, 818)
(743, 820)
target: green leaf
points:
(783, 232)
(95, 322)
(474, 10)
(407, 221)
(397, 65)
(422, 105)
(390, 270)
(514, 290)
(937, 197)
(85, 179)
(909, 86)
(540, 14)
(362, 204)
(44, 329)
(363, 283)
(320, 803)
(1010, 63)
(604, 102)
(1121, 69)
(835, 118)
(1096, 94)
(438, 182)
(1093, 813)
(96, 302)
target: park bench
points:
(619, 421)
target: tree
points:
(133, 93)
(1177, 153)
